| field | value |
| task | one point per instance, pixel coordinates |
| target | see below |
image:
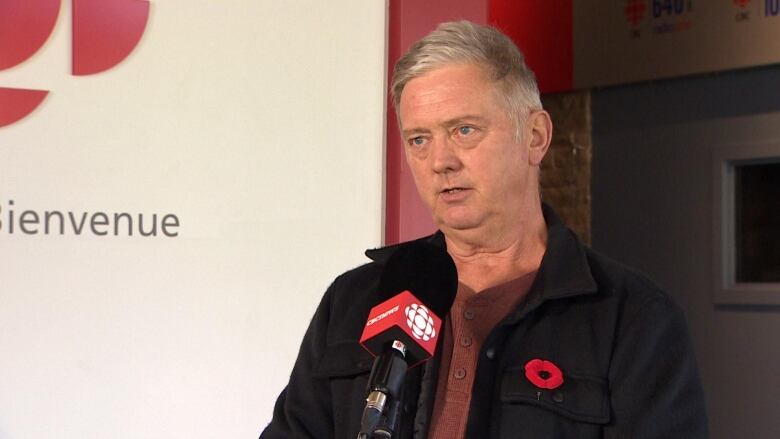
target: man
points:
(546, 338)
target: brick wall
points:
(565, 179)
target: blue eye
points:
(465, 130)
(417, 141)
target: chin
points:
(459, 223)
(460, 218)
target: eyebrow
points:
(407, 133)
(469, 118)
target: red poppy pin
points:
(543, 374)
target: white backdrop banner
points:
(168, 224)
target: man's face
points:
(460, 144)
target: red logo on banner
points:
(635, 11)
(742, 3)
(105, 32)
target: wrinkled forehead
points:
(446, 92)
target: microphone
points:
(416, 290)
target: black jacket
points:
(621, 343)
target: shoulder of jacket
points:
(626, 283)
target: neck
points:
(486, 259)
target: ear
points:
(540, 128)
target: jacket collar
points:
(382, 254)
(564, 271)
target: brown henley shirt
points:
(472, 317)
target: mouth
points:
(454, 193)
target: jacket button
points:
(557, 396)
(490, 353)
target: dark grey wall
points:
(653, 209)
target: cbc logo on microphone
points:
(420, 322)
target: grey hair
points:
(463, 42)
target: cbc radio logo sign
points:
(104, 33)
(420, 322)
(635, 11)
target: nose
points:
(444, 156)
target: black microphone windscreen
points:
(424, 269)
